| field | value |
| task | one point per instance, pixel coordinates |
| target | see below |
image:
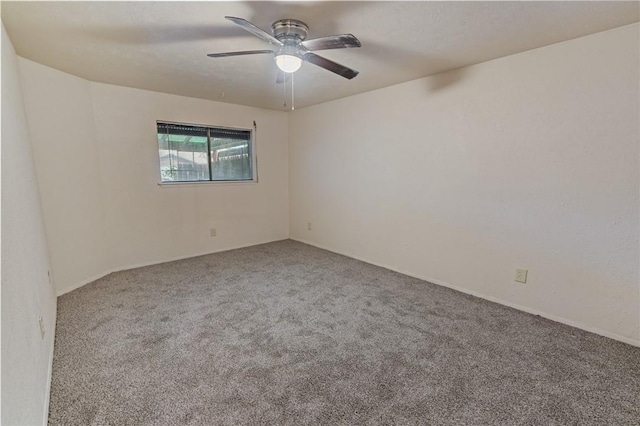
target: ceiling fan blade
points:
(330, 65)
(244, 52)
(255, 30)
(341, 41)
(282, 77)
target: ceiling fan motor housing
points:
(289, 29)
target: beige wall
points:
(528, 161)
(148, 223)
(97, 160)
(61, 123)
(27, 294)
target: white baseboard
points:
(82, 283)
(533, 311)
(47, 394)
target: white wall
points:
(148, 223)
(26, 292)
(97, 160)
(60, 112)
(528, 161)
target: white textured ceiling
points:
(162, 46)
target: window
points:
(191, 153)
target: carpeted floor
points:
(285, 333)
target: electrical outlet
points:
(521, 275)
(41, 322)
(309, 226)
(212, 232)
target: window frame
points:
(253, 157)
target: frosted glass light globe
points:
(288, 63)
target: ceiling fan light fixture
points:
(288, 63)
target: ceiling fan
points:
(290, 48)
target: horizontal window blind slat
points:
(165, 128)
(230, 134)
(181, 129)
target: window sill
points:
(208, 182)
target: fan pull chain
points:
(284, 93)
(293, 104)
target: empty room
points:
(337, 213)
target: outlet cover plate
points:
(521, 275)
(41, 322)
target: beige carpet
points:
(285, 333)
